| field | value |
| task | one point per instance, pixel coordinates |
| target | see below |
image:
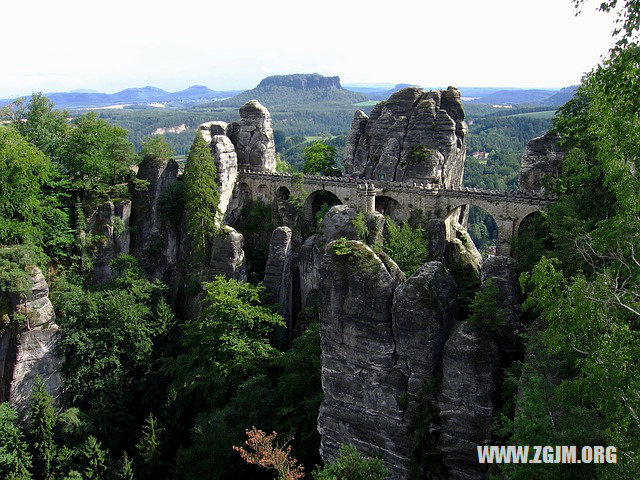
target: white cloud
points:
(232, 45)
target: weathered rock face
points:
(155, 242)
(425, 308)
(277, 273)
(470, 375)
(225, 158)
(460, 248)
(382, 338)
(252, 137)
(504, 273)
(227, 256)
(413, 136)
(361, 384)
(337, 223)
(541, 164)
(30, 353)
(111, 221)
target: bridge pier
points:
(505, 237)
(370, 198)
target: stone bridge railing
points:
(507, 208)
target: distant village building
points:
(480, 155)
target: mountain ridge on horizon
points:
(291, 85)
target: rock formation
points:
(541, 163)
(425, 309)
(252, 138)
(301, 81)
(225, 158)
(361, 384)
(32, 351)
(155, 239)
(413, 136)
(382, 338)
(277, 273)
(227, 256)
(470, 375)
(337, 223)
(111, 222)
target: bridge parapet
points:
(507, 208)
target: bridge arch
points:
(389, 206)
(314, 202)
(263, 193)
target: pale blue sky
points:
(108, 46)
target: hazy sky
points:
(226, 44)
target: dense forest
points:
(153, 392)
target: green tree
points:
(97, 153)
(23, 172)
(39, 123)
(109, 344)
(319, 158)
(15, 461)
(201, 194)
(407, 246)
(484, 308)
(92, 458)
(351, 465)
(125, 469)
(42, 420)
(149, 449)
(227, 341)
(156, 147)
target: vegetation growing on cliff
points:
(407, 246)
(581, 385)
(201, 195)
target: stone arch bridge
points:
(398, 199)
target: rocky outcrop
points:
(382, 338)
(277, 273)
(225, 158)
(425, 309)
(470, 375)
(155, 238)
(110, 222)
(460, 248)
(541, 164)
(301, 81)
(227, 256)
(252, 138)
(413, 136)
(362, 386)
(504, 274)
(31, 352)
(337, 223)
(358, 126)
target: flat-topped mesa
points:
(414, 136)
(301, 81)
(252, 138)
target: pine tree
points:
(149, 447)
(42, 421)
(125, 470)
(15, 460)
(202, 195)
(92, 458)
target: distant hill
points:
(297, 90)
(378, 93)
(515, 97)
(135, 96)
(562, 97)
